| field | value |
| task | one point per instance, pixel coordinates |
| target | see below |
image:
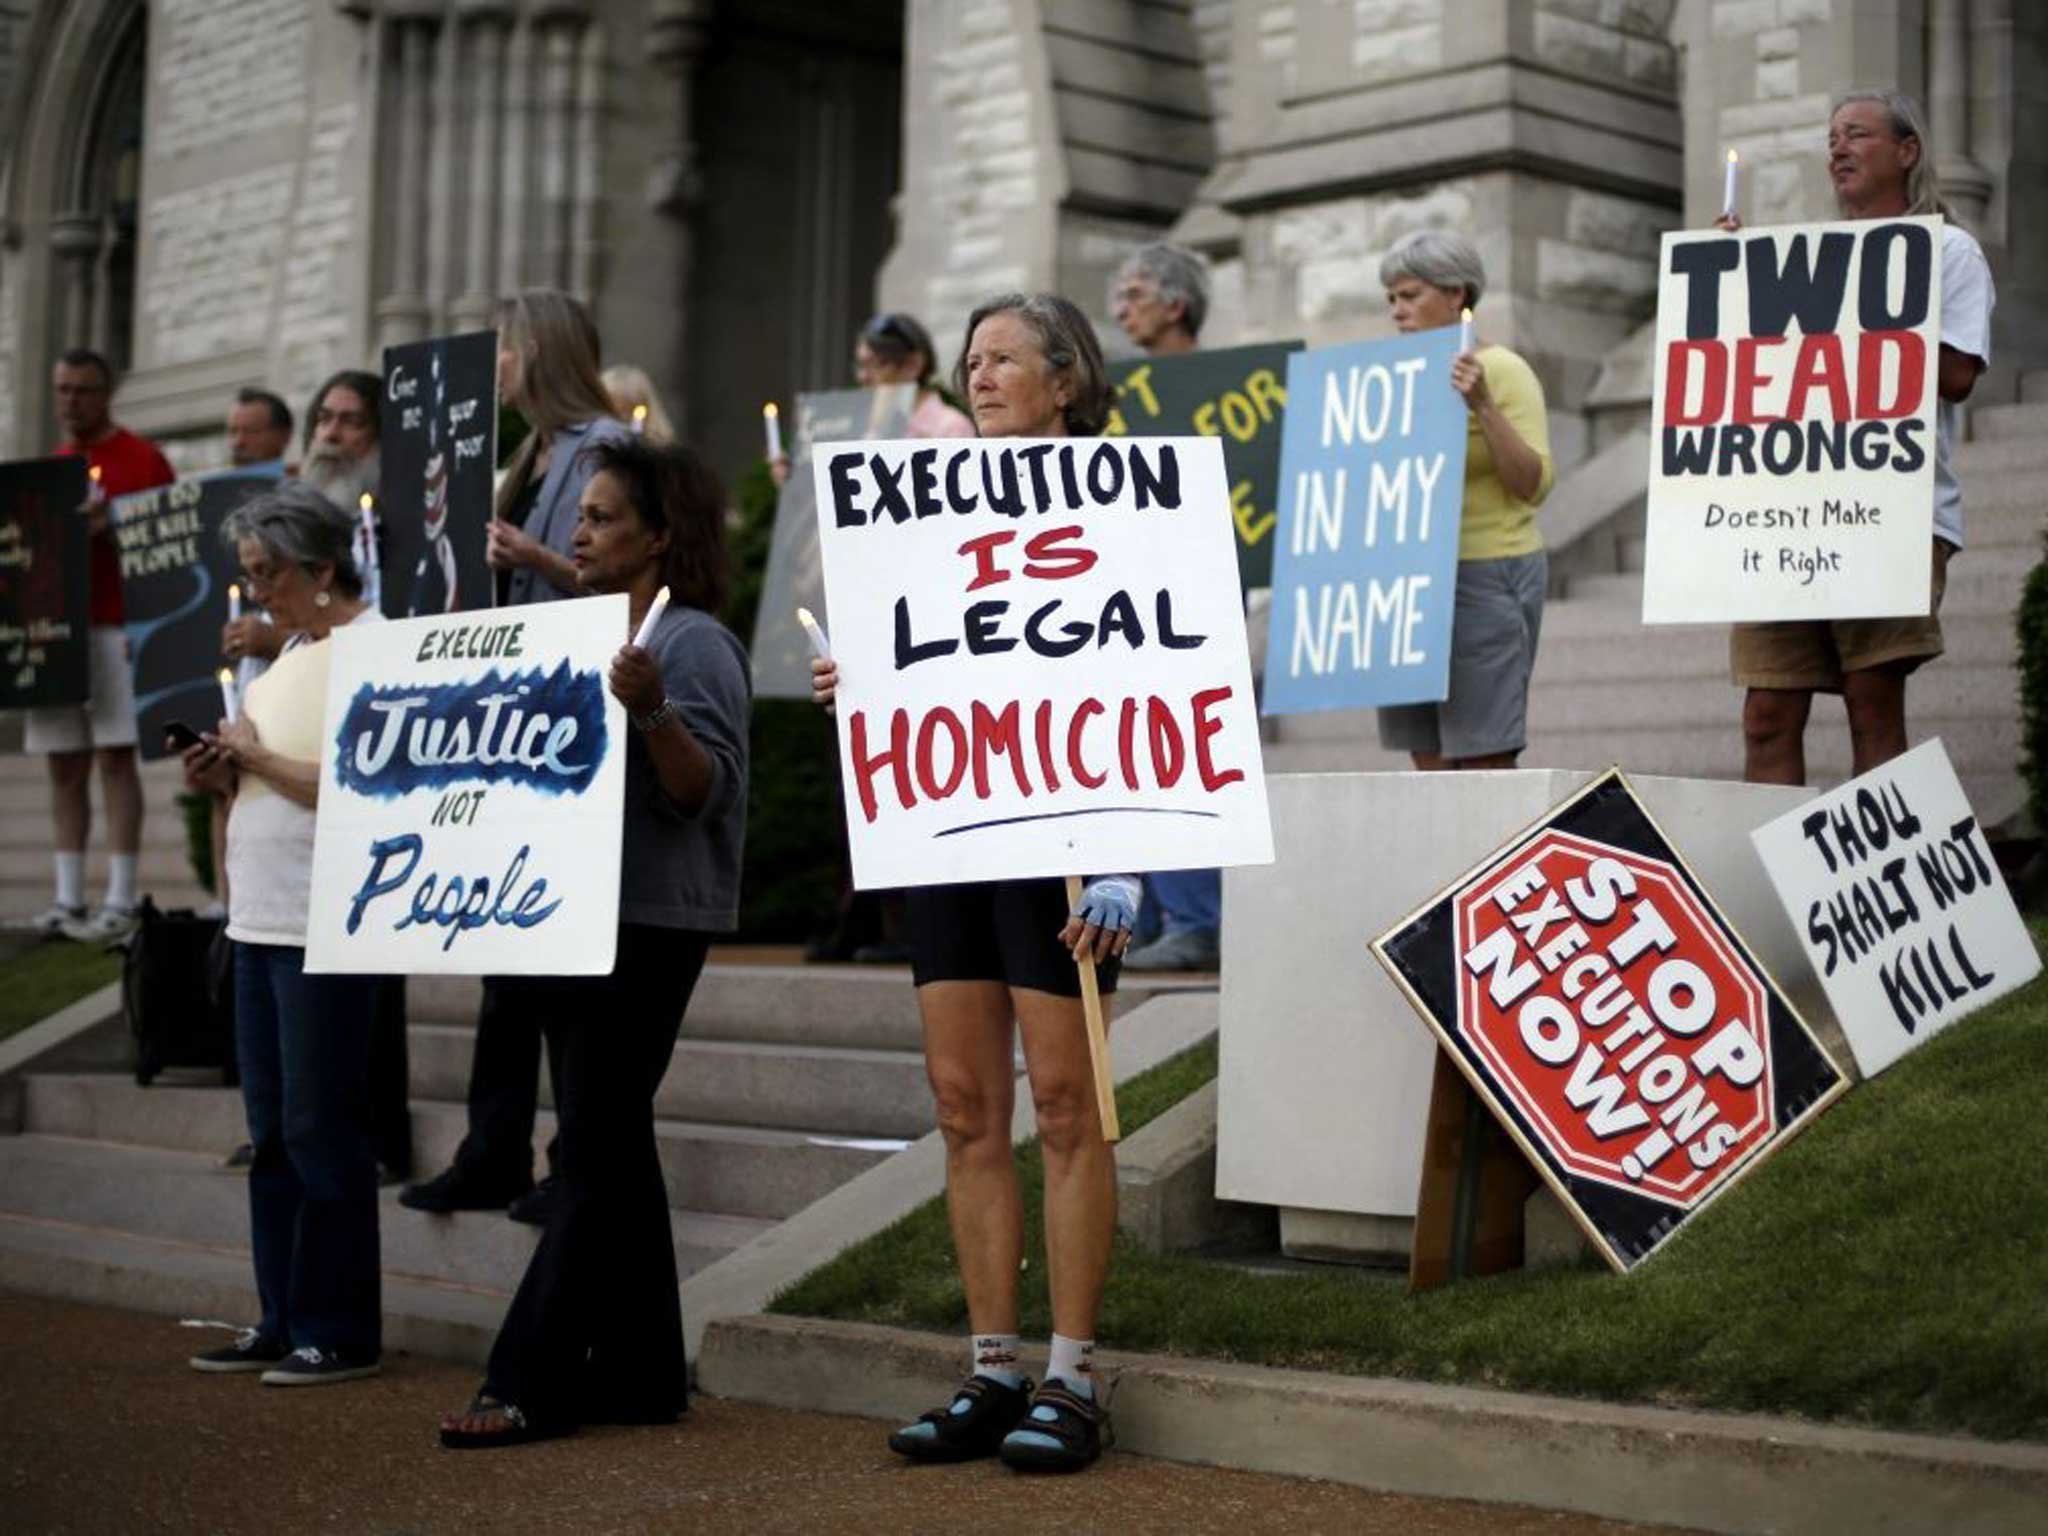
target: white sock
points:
(70, 879)
(121, 881)
(995, 1356)
(1073, 1364)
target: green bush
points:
(2033, 638)
(198, 813)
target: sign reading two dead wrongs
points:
(1043, 668)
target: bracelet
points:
(656, 717)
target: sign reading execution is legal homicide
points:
(175, 574)
(440, 450)
(1042, 659)
(1372, 473)
(45, 583)
(1902, 910)
(472, 790)
(1792, 456)
(1238, 394)
(1611, 1019)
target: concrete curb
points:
(1720, 1472)
(70, 1037)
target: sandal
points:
(971, 1424)
(1063, 1432)
(518, 1430)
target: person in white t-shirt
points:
(1882, 167)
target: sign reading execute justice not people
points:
(440, 452)
(1237, 394)
(472, 795)
(1611, 1019)
(45, 583)
(1366, 565)
(1894, 893)
(1793, 437)
(1042, 659)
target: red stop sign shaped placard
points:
(1610, 1008)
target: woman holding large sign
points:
(1432, 277)
(990, 957)
(595, 1332)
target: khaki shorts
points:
(1812, 654)
(106, 719)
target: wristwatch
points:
(656, 717)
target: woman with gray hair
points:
(303, 1041)
(1430, 277)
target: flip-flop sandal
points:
(518, 1430)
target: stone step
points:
(2000, 456)
(1560, 708)
(726, 1082)
(1613, 604)
(188, 1196)
(155, 866)
(1999, 423)
(2034, 386)
(1686, 650)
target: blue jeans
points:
(1187, 899)
(305, 1050)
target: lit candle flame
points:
(366, 501)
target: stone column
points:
(589, 128)
(76, 238)
(557, 104)
(1948, 104)
(438, 212)
(402, 312)
(513, 265)
(676, 36)
(487, 25)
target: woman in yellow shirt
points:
(1430, 277)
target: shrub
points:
(2033, 647)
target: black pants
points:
(595, 1331)
(390, 1073)
(504, 1083)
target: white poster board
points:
(1893, 891)
(472, 795)
(1042, 659)
(1793, 430)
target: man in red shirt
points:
(104, 727)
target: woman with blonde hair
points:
(632, 390)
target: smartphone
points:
(180, 737)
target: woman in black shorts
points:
(990, 957)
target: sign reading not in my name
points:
(1615, 1024)
(45, 583)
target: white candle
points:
(367, 503)
(653, 614)
(639, 420)
(230, 711)
(1728, 191)
(1465, 333)
(234, 602)
(771, 420)
(818, 646)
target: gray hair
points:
(1180, 276)
(1907, 121)
(1071, 350)
(1441, 258)
(296, 525)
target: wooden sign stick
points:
(1098, 1038)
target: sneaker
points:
(250, 1352)
(1063, 1432)
(109, 925)
(1189, 949)
(310, 1367)
(239, 1160)
(54, 921)
(537, 1205)
(459, 1189)
(972, 1425)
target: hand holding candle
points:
(640, 419)
(234, 603)
(1728, 189)
(230, 709)
(819, 648)
(771, 422)
(1465, 333)
(654, 610)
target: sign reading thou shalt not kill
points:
(472, 795)
(1611, 1019)
(1793, 440)
(1899, 904)
(439, 454)
(45, 583)
(1237, 394)
(1372, 473)
(1042, 659)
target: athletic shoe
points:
(310, 1367)
(250, 1352)
(241, 1159)
(537, 1205)
(109, 925)
(972, 1425)
(461, 1190)
(1063, 1432)
(1189, 949)
(53, 921)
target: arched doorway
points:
(94, 233)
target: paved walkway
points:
(105, 1430)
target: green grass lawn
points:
(1890, 1266)
(45, 977)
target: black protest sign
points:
(1238, 394)
(440, 450)
(45, 584)
(175, 575)
(1611, 1019)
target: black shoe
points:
(882, 954)
(461, 1190)
(310, 1367)
(250, 1352)
(1063, 1432)
(537, 1205)
(972, 1425)
(241, 1158)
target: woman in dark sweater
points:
(595, 1333)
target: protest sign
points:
(440, 450)
(1792, 456)
(1894, 893)
(1611, 1019)
(45, 584)
(472, 795)
(795, 578)
(1365, 573)
(175, 574)
(1238, 394)
(1042, 659)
